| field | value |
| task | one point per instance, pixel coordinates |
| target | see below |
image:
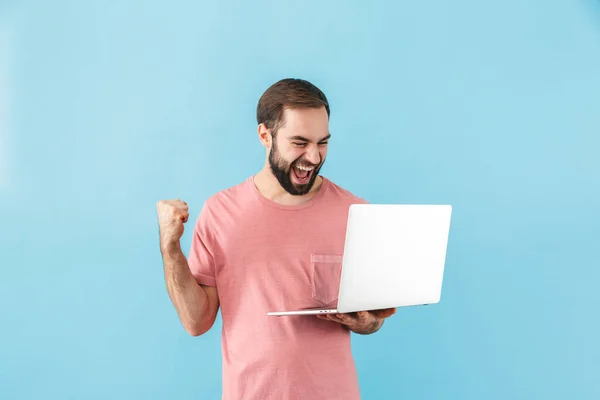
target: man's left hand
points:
(362, 322)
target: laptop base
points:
(310, 311)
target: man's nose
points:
(313, 156)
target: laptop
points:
(394, 256)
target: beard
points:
(283, 172)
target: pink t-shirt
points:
(263, 256)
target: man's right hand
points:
(172, 214)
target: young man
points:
(272, 242)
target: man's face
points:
(299, 149)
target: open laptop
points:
(394, 256)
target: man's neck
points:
(268, 185)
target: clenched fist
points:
(172, 214)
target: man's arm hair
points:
(196, 305)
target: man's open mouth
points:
(302, 173)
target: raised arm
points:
(196, 305)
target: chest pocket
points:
(326, 271)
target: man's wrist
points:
(370, 329)
(170, 249)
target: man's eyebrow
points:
(303, 139)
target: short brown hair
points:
(288, 93)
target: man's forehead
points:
(308, 124)
(305, 116)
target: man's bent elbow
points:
(194, 331)
(198, 328)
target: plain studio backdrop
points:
(493, 107)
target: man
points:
(272, 242)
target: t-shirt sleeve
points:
(201, 259)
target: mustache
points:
(305, 163)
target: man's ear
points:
(264, 135)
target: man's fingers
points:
(183, 215)
(346, 319)
(362, 315)
(341, 321)
(386, 313)
(332, 317)
(389, 312)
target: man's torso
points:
(272, 258)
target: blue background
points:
(493, 107)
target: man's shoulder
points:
(219, 208)
(345, 195)
(230, 198)
(235, 193)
